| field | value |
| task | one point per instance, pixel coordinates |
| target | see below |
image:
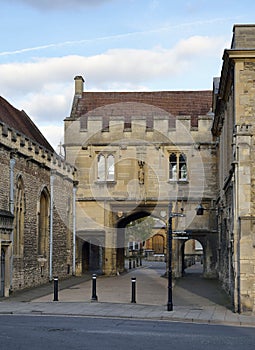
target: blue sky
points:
(121, 45)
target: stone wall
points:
(141, 131)
(234, 131)
(34, 166)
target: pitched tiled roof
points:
(20, 121)
(176, 103)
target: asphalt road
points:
(55, 333)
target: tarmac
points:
(195, 299)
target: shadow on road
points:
(195, 290)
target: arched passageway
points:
(193, 254)
(136, 238)
(91, 256)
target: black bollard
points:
(55, 289)
(134, 263)
(137, 264)
(133, 298)
(141, 263)
(94, 287)
(129, 261)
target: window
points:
(43, 229)
(105, 167)
(18, 238)
(182, 167)
(173, 167)
(110, 168)
(101, 168)
(177, 167)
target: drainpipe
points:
(11, 208)
(52, 178)
(75, 184)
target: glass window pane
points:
(110, 168)
(182, 167)
(173, 167)
(101, 168)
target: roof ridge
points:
(22, 123)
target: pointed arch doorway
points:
(192, 256)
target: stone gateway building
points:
(188, 155)
(36, 205)
(138, 154)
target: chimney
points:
(79, 85)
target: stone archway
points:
(121, 224)
(207, 242)
(91, 260)
(90, 251)
(193, 253)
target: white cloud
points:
(54, 134)
(60, 4)
(50, 104)
(114, 66)
(44, 87)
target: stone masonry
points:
(28, 169)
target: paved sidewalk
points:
(195, 299)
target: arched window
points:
(173, 167)
(101, 168)
(110, 168)
(182, 167)
(18, 234)
(43, 229)
(177, 167)
(105, 167)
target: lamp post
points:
(170, 249)
(170, 241)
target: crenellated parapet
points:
(100, 127)
(33, 151)
(104, 116)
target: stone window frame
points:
(106, 177)
(43, 223)
(19, 218)
(177, 167)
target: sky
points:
(116, 45)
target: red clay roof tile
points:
(20, 121)
(176, 103)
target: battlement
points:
(32, 151)
(149, 122)
(162, 128)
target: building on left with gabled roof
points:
(37, 192)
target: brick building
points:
(36, 211)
